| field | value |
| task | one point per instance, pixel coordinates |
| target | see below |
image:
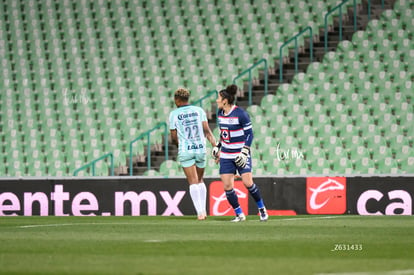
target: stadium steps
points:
(108, 58)
(318, 50)
(288, 70)
(289, 73)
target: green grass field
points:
(181, 245)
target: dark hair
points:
(229, 93)
(182, 94)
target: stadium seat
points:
(151, 173)
(170, 168)
(406, 165)
(127, 59)
(364, 165)
(255, 110)
(212, 168)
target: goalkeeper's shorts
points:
(228, 166)
(189, 159)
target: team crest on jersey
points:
(225, 134)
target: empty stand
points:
(83, 79)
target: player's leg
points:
(202, 193)
(254, 191)
(191, 174)
(228, 182)
(192, 178)
(227, 170)
(200, 167)
(190, 171)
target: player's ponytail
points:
(232, 90)
(229, 93)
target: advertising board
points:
(160, 196)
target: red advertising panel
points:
(219, 205)
(325, 195)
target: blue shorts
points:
(189, 159)
(228, 166)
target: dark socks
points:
(255, 192)
(234, 201)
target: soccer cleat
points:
(239, 218)
(202, 217)
(263, 214)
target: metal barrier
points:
(249, 71)
(295, 38)
(369, 8)
(147, 134)
(339, 6)
(200, 101)
(93, 162)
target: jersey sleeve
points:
(172, 121)
(203, 115)
(247, 128)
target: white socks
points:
(203, 195)
(198, 193)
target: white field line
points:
(391, 272)
(314, 218)
(152, 223)
(80, 223)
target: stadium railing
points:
(93, 162)
(295, 38)
(249, 71)
(147, 134)
(369, 8)
(200, 101)
(339, 6)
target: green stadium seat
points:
(151, 173)
(212, 168)
(299, 166)
(407, 165)
(406, 16)
(102, 169)
(170, 168)
(342, 165)
(321, 166)
(269, 104)
(317, 114)
(125, 70)
(387, 165)
(401, 5)
(262, 143)
(255, 110)
(277, 167)
(364, 165)
(345, 46)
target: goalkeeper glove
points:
(243, 157)
(216, 151)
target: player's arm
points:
(247, 128)
(209, 135)
(216, 145)
(242, 157)
(173, 129)
(174, 137)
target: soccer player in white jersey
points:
(236, 136)
(189, 128)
